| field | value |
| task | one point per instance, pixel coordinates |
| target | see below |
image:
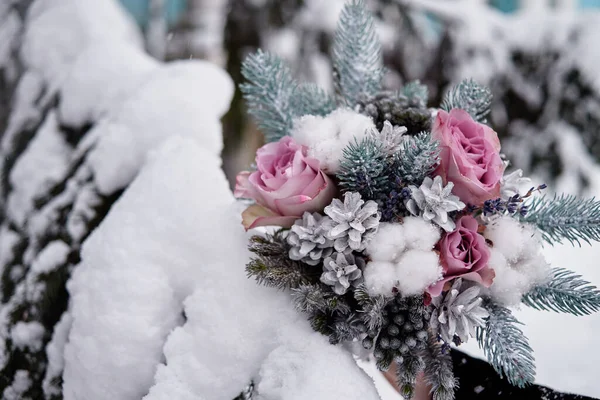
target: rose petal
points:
(256, 215)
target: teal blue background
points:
(176, 8)
(139, 10)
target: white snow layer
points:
(59, 30)
(168, 249)
(184, 98)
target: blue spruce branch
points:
(416, 93)
(363, 169)
(418, 159)
(357, 57)
(269, 92)
(438, 370)
(310, 99)
(565, 292)
(506, 347)
(470, 96)
(565, 217)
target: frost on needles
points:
(357, 58)
(470, 96)
(506, 347)
(565, 217)
(565, 292)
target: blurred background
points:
(78, 74)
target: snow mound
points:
(163, 107)
(183, 302)
(59, 30)
(101, 78)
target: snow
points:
(326, 137)
(59, 30)
(102, 77)
(27, 334)
(54, 351)
(54, 255)
(41, 165)
(8, 241)
(184, 98)
(20, 384)
(152, 285)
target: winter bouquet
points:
(400, 228)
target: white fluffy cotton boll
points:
(510, 237)
(388, 243)
(326, 137)
(380, 278)
(512, 281)
(420, 234)
(416, 271)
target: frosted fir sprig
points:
(364, 168)
(564, 292)
(310, 99)
(565, 217)
(438, 370)
(268, 92)
(470, 96)
(416, 92)
(357, 57)
(271, 265)
(506, 347)
(417, 159)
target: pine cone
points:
(433, 201)
(403, 332)
(399, 110)
(342, 270)
(458, 313)
(307, 239)
(354, 222)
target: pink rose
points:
(286, 184)
(470, 156)
(464, 254)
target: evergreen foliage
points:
(272, 265)
(407, 368)
(357, 57)
(312, 298)
(371, 308)
(416, 93)
(438, 370)
(310, 99)
(565, 217)
(363, 169)
(565, 292)
(506, 347)
(269, 93)
(470, 96)
(417, 160)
